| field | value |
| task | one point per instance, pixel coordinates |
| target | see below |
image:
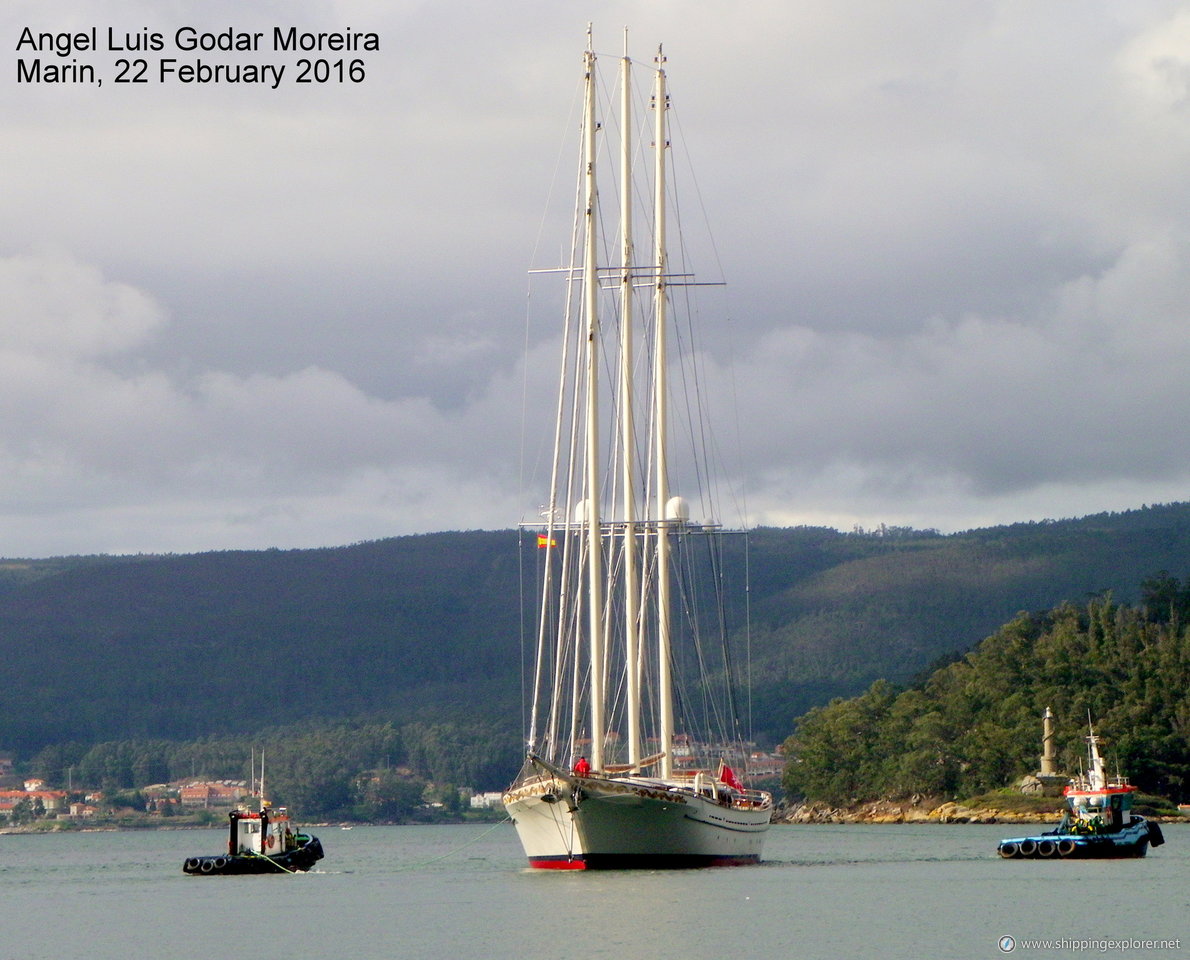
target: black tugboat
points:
(260, 842)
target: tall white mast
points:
(664, 680)
(627, 417)
(594, 527)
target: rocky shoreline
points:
(913, 810)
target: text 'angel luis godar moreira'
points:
(68, 44)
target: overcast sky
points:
(955, 234)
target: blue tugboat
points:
(1097, 824)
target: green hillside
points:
(974, 725)
(181, 647)
(858, 609)
(428, 629)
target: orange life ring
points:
(270, 841)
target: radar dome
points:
(677, 509)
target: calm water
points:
(825, 892)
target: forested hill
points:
(181, 647)
(974, 725)
(841, 611)
(428, 628)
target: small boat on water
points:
(259, 841)
(263, 841)
(1098, 822)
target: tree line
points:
(974, 724)
(370, 771)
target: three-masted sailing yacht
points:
(609, 780)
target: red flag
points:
(543, 541)
(728, 776)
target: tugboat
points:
(261, 841)
(1097, 824)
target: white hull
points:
(632, 822)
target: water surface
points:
(824, 891)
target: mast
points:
(664, 679)
(627, 419)
(592, 518)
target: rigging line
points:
(560, 822)
(712, 448)
(684, 702)
(556, 611)
(712, 452)
(554, 178)
(748, 626)
(695, 384)
(738, 491)
(451, 853)
(646, 666)
(570, 607)
(557, 616)
(608, 574)
(566, 616)
(531, 727)
(520, 557)
(580, 672)
(688, 370)
(615, 561)
(714, 720)
(694, 426)
(564, 143)
(676, 121)
(709, 440)
(720, 567)
(551, 510)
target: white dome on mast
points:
(676, 508)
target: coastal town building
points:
(486, 801)
(52, 801)
(213, 793)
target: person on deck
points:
(582, 768)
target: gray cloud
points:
(955, 236)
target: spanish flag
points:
(543, 541)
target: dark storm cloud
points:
(955, 235)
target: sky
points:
(954, 234)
